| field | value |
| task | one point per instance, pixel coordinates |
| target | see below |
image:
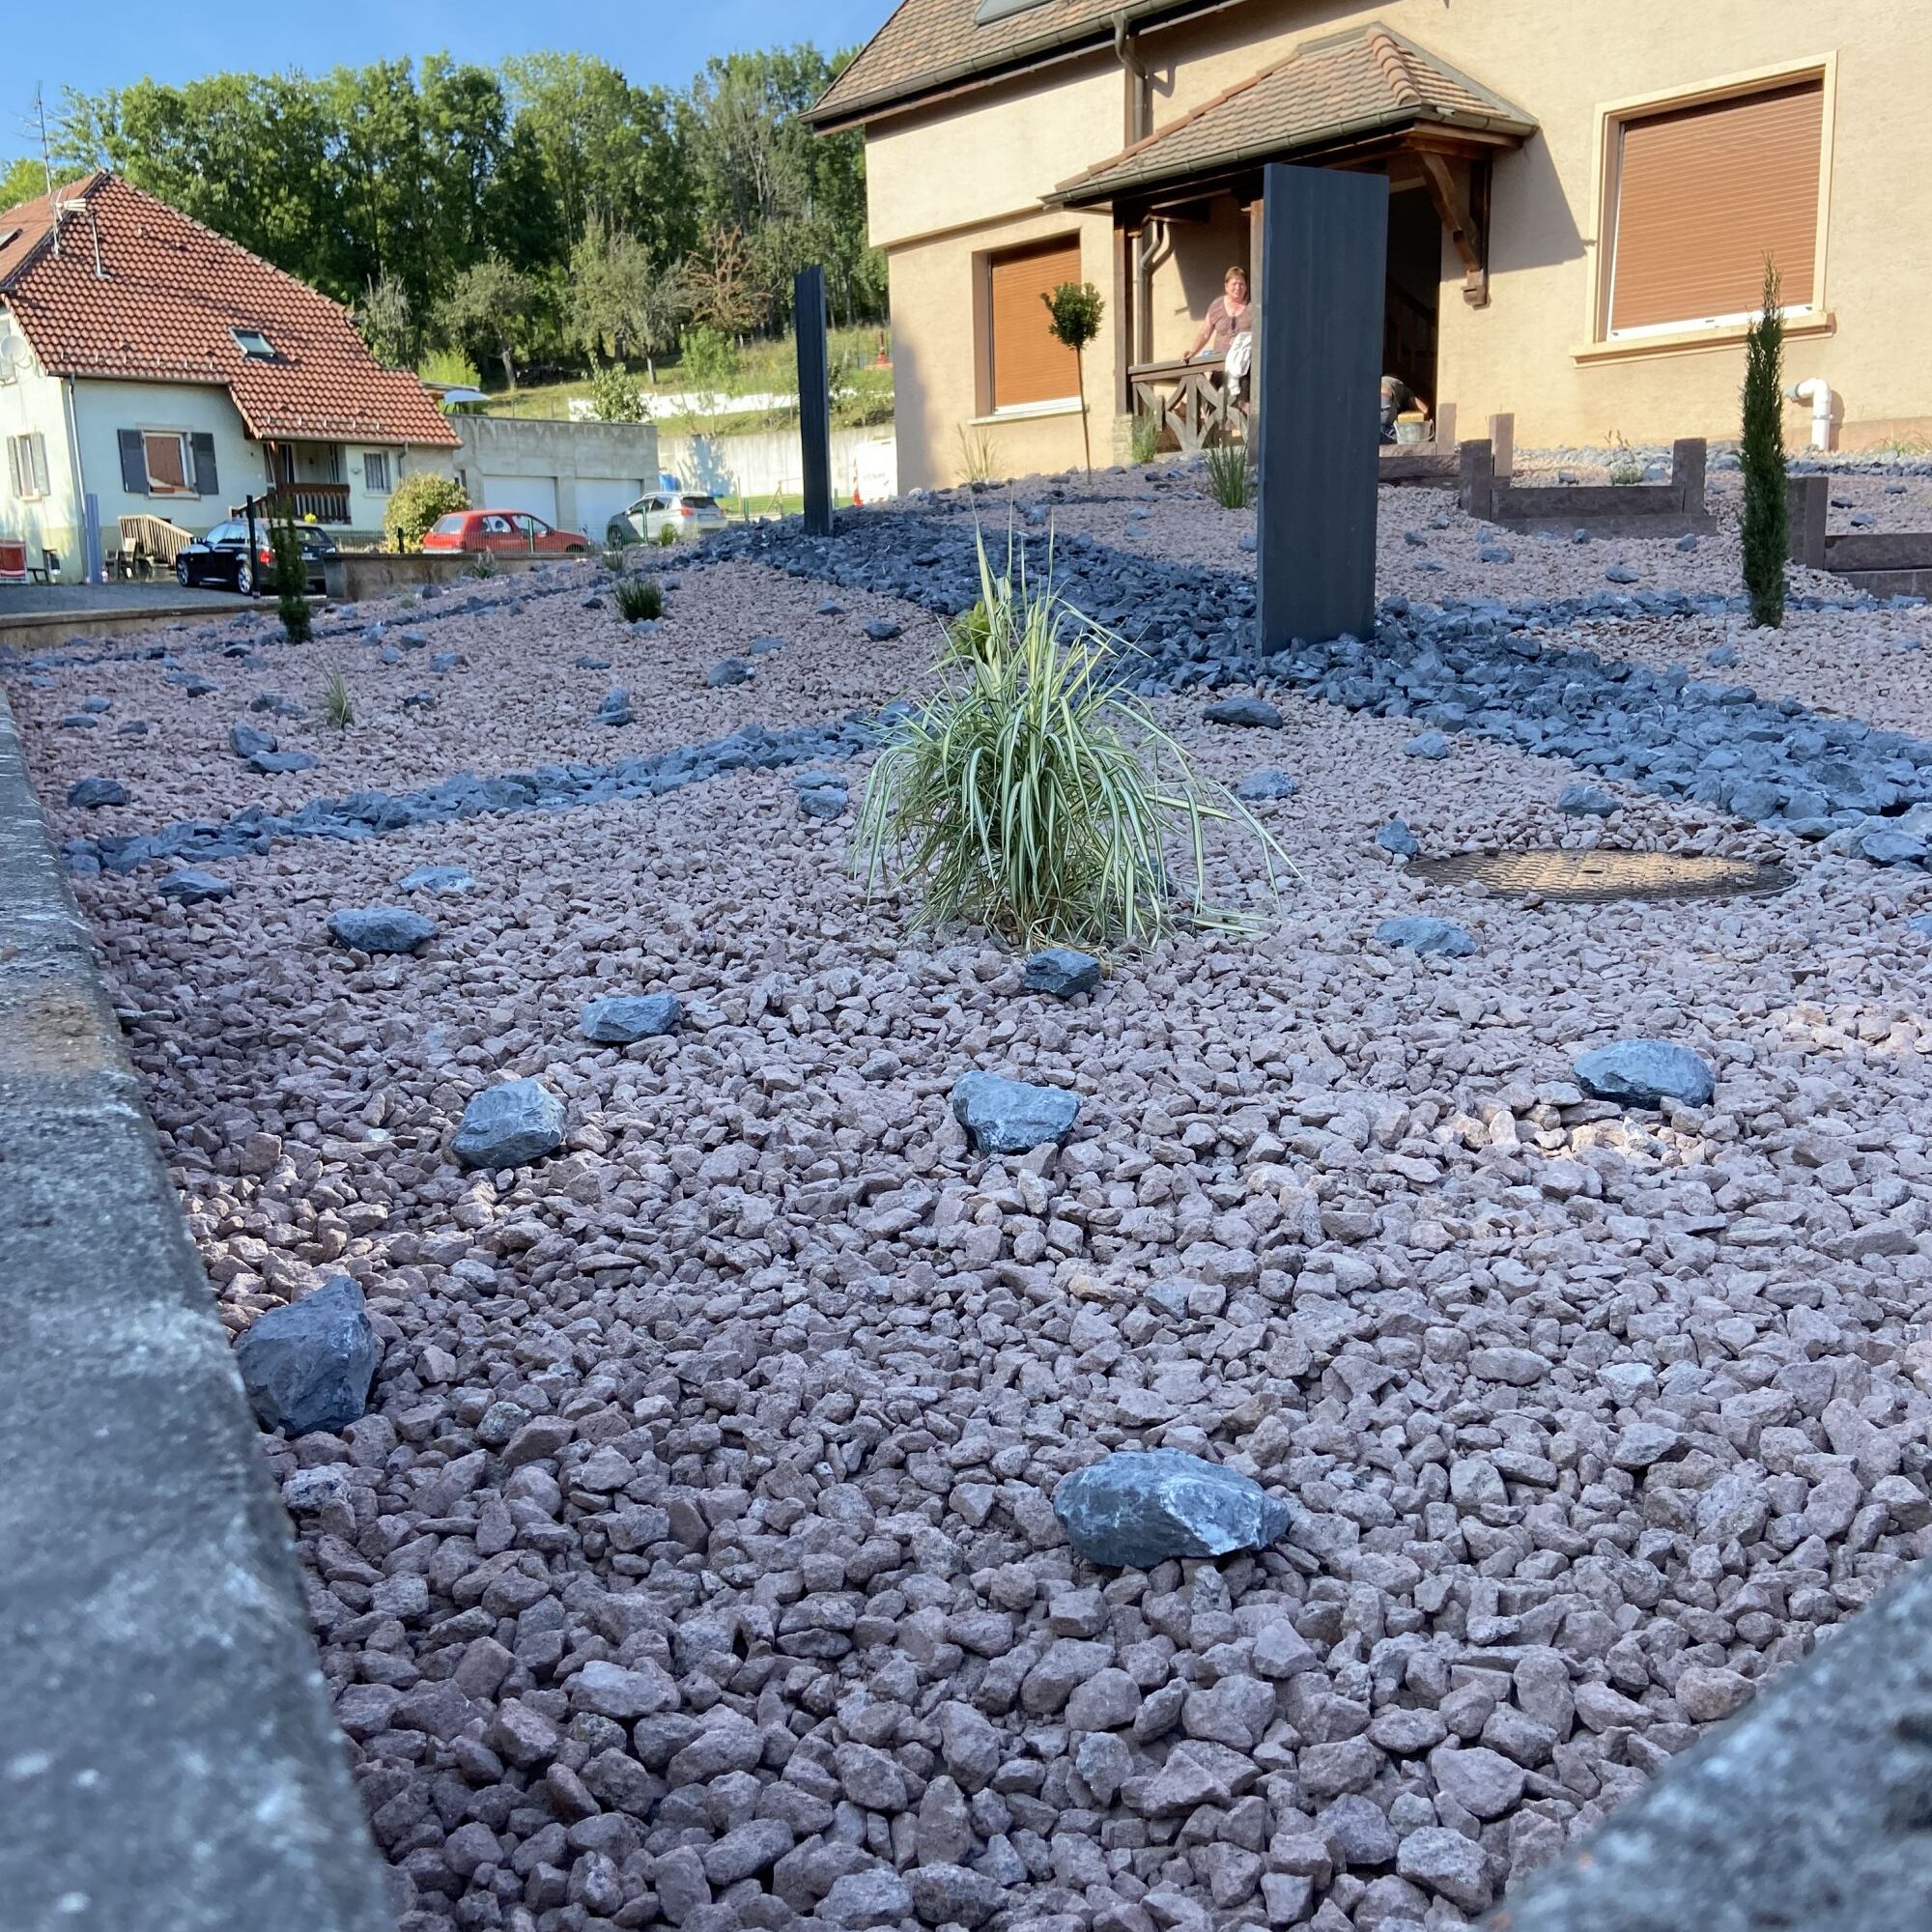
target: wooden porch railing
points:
(326, 502)
(1189, 402)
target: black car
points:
(220, 559)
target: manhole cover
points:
(1604, 875)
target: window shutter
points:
(133, 462)
(1028, 364)
(1704, 194)
(13, 465)
(38, 444)
(205, 484)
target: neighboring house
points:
(1583, 193)
(151, 363)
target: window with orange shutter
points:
(1704, 194)
(1025, 363)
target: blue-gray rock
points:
(444, 660)
(380, 928)
(1645, 1072)
(1862, 520)
(1495, 554)
(616, 708)
(307, 1366)
(79, 721)
(1688, 541)
(625, 1018)
(1621, 573)
(92, 793)
(1920, 924)
(275, 704)
(1579, 537)
(1061, 972)
(1396, 837)
(1009, 1116)
(829, 606)
(135, 728)
(1139, 1507)
(728, 671)
(270, 763)
(1891, 848)
(418, 701)
(761, 647)
(1259, 787)
(1252, 711)
(97, 705)
(1427, 745)
(1420, 933)
(436, 880)
(1722, 657)
(509, 1125)
(251, 741)
(591, 664)
(1585, 800)
(191, 886)
(190, 683)
(390, 655)
(827, 799)
(882, 630)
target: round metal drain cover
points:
(1604, 875)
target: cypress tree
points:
(1762, 458)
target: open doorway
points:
(1414, 290)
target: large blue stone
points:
(1139, 1507)
(380, 928)
(509, 1125)
(1644, 1073)
(628, 1017)
(1421, 933)
(1010, 1117)
(308, 1366)
(1062, 971)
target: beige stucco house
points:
(1583, 193)
(159, 368)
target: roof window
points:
(253, 344)
(989, 10)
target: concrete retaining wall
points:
(771, 464)
(167, 1760)
(354, 574)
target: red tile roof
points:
(161, 307)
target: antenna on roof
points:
(39, 122)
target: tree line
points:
(545, 212)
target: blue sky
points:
(114, 41)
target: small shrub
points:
(338, 707)
(977, 459)
(484, 566)
(450, 369)
(1765, 523)
(613, 558)
(639, 598)
(1076, 309)
(1231, 482)
(1144, 439)
(666, 535)
(416, 501)
(291, 579)
(1029, 795)
(1626, 466)
(617, 399)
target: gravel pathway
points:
(696, 1564)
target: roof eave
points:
(1026, 58)
(1072, 194)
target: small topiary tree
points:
(417, 503)
(291, 578)
(1076, 308)
(1761, 455)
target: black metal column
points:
(814, 399)
(1324, 259)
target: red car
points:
(507, 532)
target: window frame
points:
(183, 441)
(1611, 118)
(387, 485)
(986, 408)
(27, 458)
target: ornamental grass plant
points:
(1032, 796)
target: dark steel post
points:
(814, 399)
(1323, 257)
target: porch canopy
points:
(1366, 98)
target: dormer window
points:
(989, 10)
(253, 344)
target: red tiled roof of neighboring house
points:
(1366, 80)
(930, 44)
(163, 304)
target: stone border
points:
(1676, 508)
(1807, 1810)
(167, 1758)
(1889, 563)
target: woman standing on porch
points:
(1228, 315)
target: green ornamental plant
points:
(1032, 797)
(638, 597)
(978, 458)
(338, 707)
(291, 578)
(416, 501)
(615, 396)
(1076, 308)
(1231, 482)
(1144, 439)
(1761, 456)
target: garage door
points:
(599, 499)
(535, 494)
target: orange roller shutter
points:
(1704, 194)
(1029, 365)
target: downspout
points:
(79, 473)
(1139, 123)
(1818, 394)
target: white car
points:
(684, 513)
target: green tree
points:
(388, 323)
(1761, 456)
(1075, 309)
(489, 313)
(26, 180)
(620, 303)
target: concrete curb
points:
(1807, 1810)
(167, 1759)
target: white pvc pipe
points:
(1818, 394)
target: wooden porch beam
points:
(1464, 215)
